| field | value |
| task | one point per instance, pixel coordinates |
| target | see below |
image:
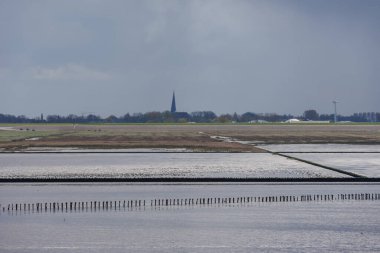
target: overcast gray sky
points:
(113, 57)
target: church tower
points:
(173, 108)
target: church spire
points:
(173, 108)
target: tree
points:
(111, 119)
(248, 116)
(203, 116)
(235, 117)
(311, 115)
(224, 118)
(153, 117)
(91, 118)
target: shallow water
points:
(337, 226)
(129, 165)
(363, 164)
(332, 226)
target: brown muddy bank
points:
(193, 137)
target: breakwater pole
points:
(167, 202)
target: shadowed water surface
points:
(339, 226)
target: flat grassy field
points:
(191, 136)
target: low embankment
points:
(189, 180)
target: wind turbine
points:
(335, 102)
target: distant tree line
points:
(356, 117)
(184, 117)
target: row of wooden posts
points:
(107, 205)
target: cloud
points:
(225, 55)
(4, 72)
(68, 72)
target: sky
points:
(119, 56)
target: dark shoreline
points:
(189, 180)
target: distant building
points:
(308, 121)
(258, 121)
(293, 121)
(173, 108)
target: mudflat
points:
(197, 137)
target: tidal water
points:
(135, 165)
(335, 226)
(360, 159)
(316, 226)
